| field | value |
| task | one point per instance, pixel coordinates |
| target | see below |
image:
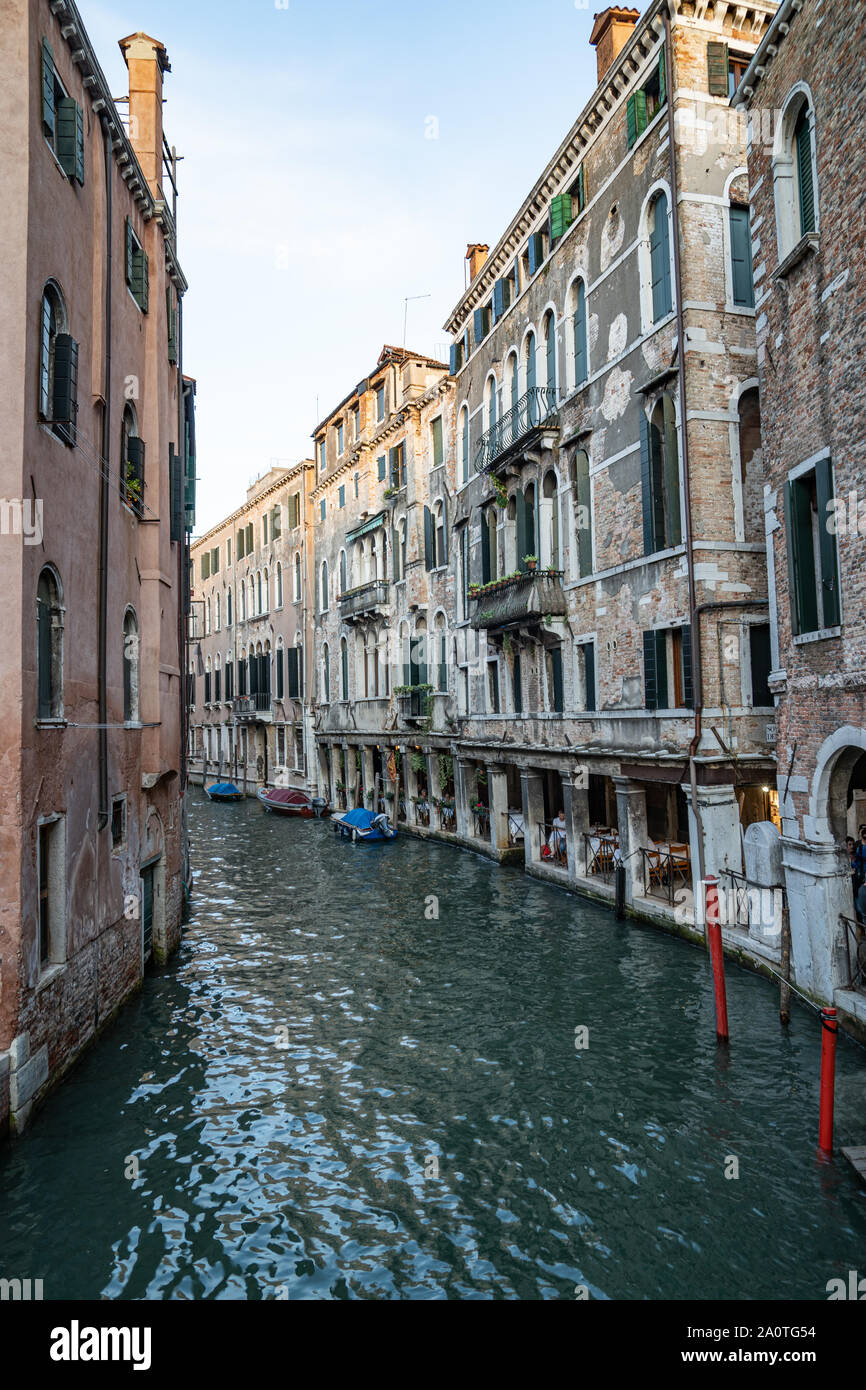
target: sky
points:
(338, 158)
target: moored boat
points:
(364, 826)
(291, 801)
(224, 791)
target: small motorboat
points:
(291, 801)
(364, 826)
(224, 791)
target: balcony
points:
(534, 414)
(365, 601)
(253, 709)
(414, 702)
(524, 598)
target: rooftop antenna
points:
(406, 310)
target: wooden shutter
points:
(660, 260)
(452, 360)
(741, 258)
(663, 79)
(45, 401)
(536, 251)
(805, 173)
(134, 470)
(516, 278)
(560, 215)
(649, 671)
(688, 679)
(65, 400)
(485, 550)
(498, 300)
(443, 559)
(46, 693)
(175, 476)
(250, 538)
(589, 674)
(802, 596)
(669, 511)
(300, 652)
(478, 325)
(68, 116)
(428, 539)
(130, 253)
(171, 320)
(718, 67)
(49, 114)
(522, 530)
(395, 561)
(581, 188)
(583, 498)
(640, 111)
(293, 671)
(517, 685)
(631, 120)
(646, 477)
(392, 468)
(205, 565)
(556, 671)
(827, 544)
(581, 370)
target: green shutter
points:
(48, 111)
(741, 258)
(452, 360)
(673, 523)
(581, 370)
(589, 674)
(382, 467)
(171, 319)
(663, 80)
(631, 119)
(485, 550)
(560, 215)
(130, 253)
(801, 567)
(556, 669)
(45, 403)
(660, 260)
(718, 68)
(392, 468)
(79, 145)
(584, 534)
(64, 406)
(498, 300)
(650, 684)
(805, 173)
(67, 134)
(827, 544)
(646, 478)
(428, 539)
(536, 251)
(688, 678)
(478, 326)
(395, 561)
(175, 476)
(581, 188)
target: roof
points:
(389, 356)
(612, 13)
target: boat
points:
(291, 801)
(364, 826)
(224, 791)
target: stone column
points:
(532, 795)
(463, 816)
(411, 786)
(434, 788)
(369, 776)
(723, 844)
(497, 791)
(819, 889)
(631, 819)
(575, 792)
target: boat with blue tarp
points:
(224, 791)
(364, 826)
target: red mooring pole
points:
(828, 1079)
(714, 936)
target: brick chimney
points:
(146, 60)
(610, 34)
(476, 256)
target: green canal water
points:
(330, 1093)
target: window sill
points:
(822, 635)
(809, 243)
(49, 974)
(50, 723)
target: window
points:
(300, 764)
(550, 355)
(341, 496)
(554, 677)
(660, 478)
(324, 586)
(294, 658)
(581, 354)
(228, 552)
(62, 119)
(51, 874)
(249, 538)
(137, 274)
(493, 687)
(529, 359)
(397, 466)
(207, 687)
(296, 593)
(217, 673)
(805, 171)
(130, 668)
(340, 438)
(322, 455)
(813, 565)
(58, 367)
(118, 822)
(326, 674)
(242, 602)
(464, 572)
(794, 176)
(437, 442)
(356, 422)
(464, 444)
(434, 536)
(725, 70)
(344, 669)
(49, 651)
(382, 463)
(741, 258)
(536, 251)
(489, 567)
(356, 480)
(643, 106)
(228, 608)
(230, 678)
(441, 654)
(278, 667)
(490, 403)
(322, 509)
(216, 622)
(380, 402)
(585, 684)
(294, 511)
(343, 573)
(279, 601)
(281, 743)
(456, 359)
(132, 464)
(265, 529)
(667, 662)
(660, 258)
(481, 322)
(760, 664)
(582, 501)
(240, 544)
(503, 296)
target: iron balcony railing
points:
(536, 408)
(526, 597)
(248, 706)
(364, 599)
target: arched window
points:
(794, 175)
(279, 662)
(208, 684)
(581, 501)
(550, 356)
(228, 608)
(217, 693)
(660, 257)
(266, 592)
(251, 597)
(326, 674)
(401, 541)
(279, 585)
(324, 586)
(297, 589)
(344, 581)
(344, 668)
(131, 460)
(440, 653)
(529, 376)
(58, 366)
(489, 568)
(439, 535)
(806, 200)
(259, 608)
(419, 654)
(550, 532)
(660, 466)
(491, 403)
(207, 617)
(49, 649)
(242, 601)
(526, 541)
(581, 353)
(512, 377)
(216, 613)
(464, 444)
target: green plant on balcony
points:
(340, 786)
(389, 796)
(418, 762)
(132, 485)
(411, 689)
(389, 492)
(370, 797)
(530, 561)
(501, 493)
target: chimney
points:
(476, 256)
(610, 34)
(146, 60)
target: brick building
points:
(611, 631)
(251, 639)
(97, 431)
(382, 508)
(807, 171)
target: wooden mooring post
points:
(785, 989)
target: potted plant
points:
(530, 561)
(389, 796)
(340, 786)
(370, 796)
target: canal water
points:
(334, 1092)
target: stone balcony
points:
(524, 598)
(365, 601)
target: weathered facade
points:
(251, 639)
(382, 507)
(807, 169)
(611, 629)
(97, 432)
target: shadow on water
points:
(333, 1093)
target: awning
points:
(370, 525)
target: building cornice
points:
(766, 51)
(305, 465)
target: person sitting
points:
(556, 842)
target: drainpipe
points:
(104, 500)
(697, 681)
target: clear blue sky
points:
(311, 201)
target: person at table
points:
(557, 834)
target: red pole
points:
(828, 1079)
(714, 936)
